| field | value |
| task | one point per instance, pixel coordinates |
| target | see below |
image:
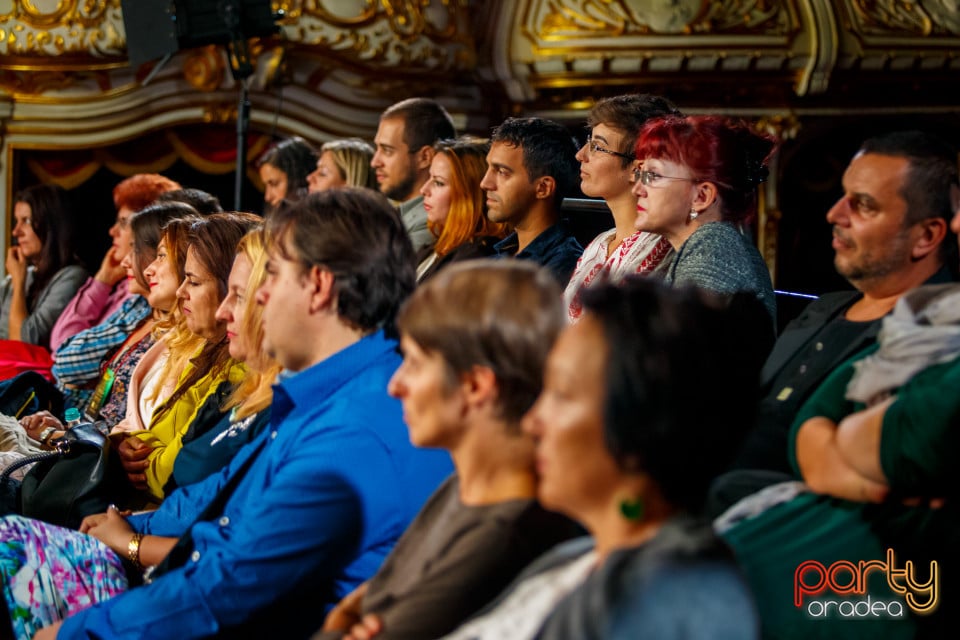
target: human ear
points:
(479, 386)
(706, 194)
(423, 157)
(545, 187)
(321, 284)
(929, 236)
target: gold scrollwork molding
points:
(905, 17)
(205, 68)
(555, 44)
(565, 19)
(49, 28)
(392, 33)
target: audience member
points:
(454, 203)
(343, 163)
(42, 269)
(404, 150)
(531, 167)
(697, 188)
(889, 231)
(336, 461)
(474, 341)
(607, 163)
(104, 293)
(284, 168)
(622, 449)
(155, 376)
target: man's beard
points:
(400, 191)
(870, 268)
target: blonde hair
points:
(255, 393)
(352, 157)
(467, 217)
(182, 344)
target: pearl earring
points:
(693, 215)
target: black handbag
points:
(75, 480)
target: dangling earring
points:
(693, 215)
(632, 509)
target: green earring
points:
(632, 510)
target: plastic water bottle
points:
(72, 417)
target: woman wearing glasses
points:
(606, 171)
(698, 188)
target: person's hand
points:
(347, 613)
(133, 456)
(111, 272)
(370, 627)
(111, 529)
(34, 424)
(16, 266)
(92, 521)
(48, 633)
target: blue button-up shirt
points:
(554, 249)
(334, 484)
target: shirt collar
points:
(317, 383)
(410, 204)
(548, 239)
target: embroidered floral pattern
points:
(637, 254)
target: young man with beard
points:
(404, 151)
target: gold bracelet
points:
(133, 550)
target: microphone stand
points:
(238, 53)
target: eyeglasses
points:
(594, 147)
(652, 179)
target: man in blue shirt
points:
(308, 510)
(531, 167)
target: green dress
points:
(918, 449)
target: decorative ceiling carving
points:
(341, 61)
(54, 28)
(387, 33)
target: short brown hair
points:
(627, 114)
(424, 121)
(357, 235)
(500, 314)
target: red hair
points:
(467, 218)
(139, 191)
(727, 153)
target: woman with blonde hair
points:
(456, 213)
(343, 163)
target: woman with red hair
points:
(697, 187)
(454, 202)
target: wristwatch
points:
(45, 435)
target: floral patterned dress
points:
(48, 573)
